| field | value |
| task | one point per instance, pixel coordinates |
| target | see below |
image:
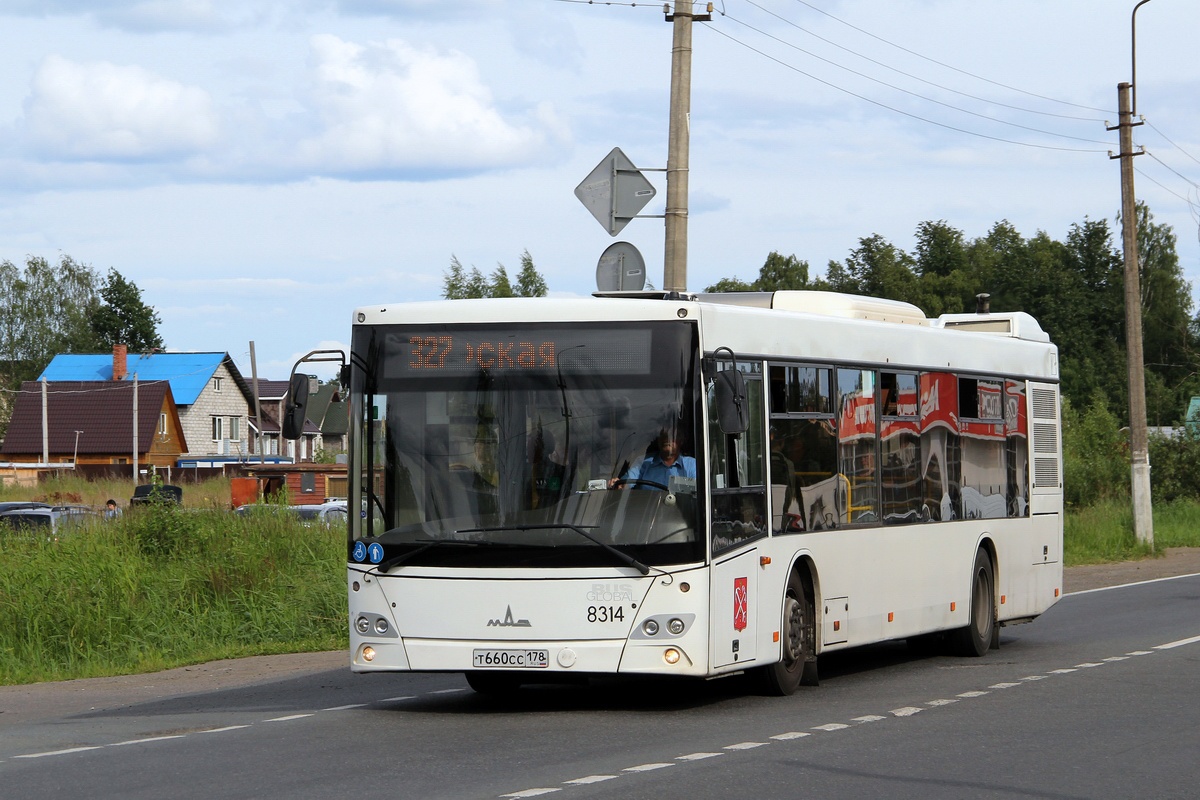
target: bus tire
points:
(493, 683)
(797, 639)
(975, 639)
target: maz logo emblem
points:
(508, 621)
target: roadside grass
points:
(163, 587)
(1104, 532)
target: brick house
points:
(92, 423)
(214, 401)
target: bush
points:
(1095, 455)
(1174, 468)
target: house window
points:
(217, 384)
(162, 424)
(308, 482)
(216, 429)
(234, 428)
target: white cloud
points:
(390, 107)
(103, 111)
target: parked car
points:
(54, 520)
(308, 514)
(157, 493)
(322, 513)
(17, 505)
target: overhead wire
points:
(893, 109)
(914, 94)
(948, 66)
(886, 66)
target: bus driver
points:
(660, 466)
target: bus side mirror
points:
(297, 405)
(733, 412)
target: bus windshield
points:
(526, 445)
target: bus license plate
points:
(511, 659)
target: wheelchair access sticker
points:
(360, 551)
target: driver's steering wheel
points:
(621, 482)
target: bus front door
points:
(734, 595)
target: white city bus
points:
(870, 474)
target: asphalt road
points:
(1098, 698)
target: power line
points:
(864, 98)
(949, 66)
(915, 94)
(908, 74)
(1163, 135)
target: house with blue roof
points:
(215, 402)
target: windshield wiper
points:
(623, 557)
(396, 561)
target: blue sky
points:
(262, 168)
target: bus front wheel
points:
(797, 638)
(975, 639)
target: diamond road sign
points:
(615, 191)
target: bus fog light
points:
(368, 654)
(650, 627)
(381, 626)
(675, 626)
(362, 624)
(671, 655)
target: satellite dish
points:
(621, 269)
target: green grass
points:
(163, 587)
(1104, 532)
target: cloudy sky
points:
(261, 168)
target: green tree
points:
(530, 282)
(458, 284)
(777, 273)
(122, 317)
(44, 310)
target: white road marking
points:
(907, 711)
(1089, 665)
(1116, 658)
(397, 699)
(448, 691)
(1034, 678)
(226, 728)
(147, 739)
(1140, 653)
(783, 737)
(744, 745)
(973, 694)
(288, 718)
(832, 726)
(697, 756)
(1138, 583)
(647, 767)
(936, 703)
(868, 718)
(345, 708)
(1180, 643)
(587, 780)
(1003, 685)
(533, 792)
(59, 752)
(1063, 671)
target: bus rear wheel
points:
(975, 639)
(797, 639)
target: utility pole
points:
(1139, 450)
(675, 251)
